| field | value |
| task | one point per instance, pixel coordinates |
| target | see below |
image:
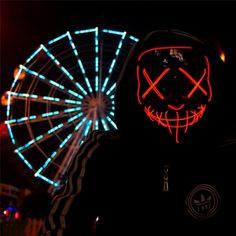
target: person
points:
(168, 168)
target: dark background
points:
(27, 24)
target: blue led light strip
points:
(63, 69)
(79, 62)
(60, 148)
(123, 34)
(37, 98)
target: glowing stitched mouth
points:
(177, 122)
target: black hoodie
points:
(139, 179)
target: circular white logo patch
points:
(203, 201)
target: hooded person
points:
(177, 81)
(168, 166)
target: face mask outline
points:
(191, 117)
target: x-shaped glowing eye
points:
(196, 83)
(153, 85)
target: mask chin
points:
(175, 121)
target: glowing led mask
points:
(173, 86)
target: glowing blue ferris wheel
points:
(62, 92)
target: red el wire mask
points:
(173, 86)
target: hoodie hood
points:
(173, 89)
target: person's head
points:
(169, 86)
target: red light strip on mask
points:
(175, 107)
(186, 128)
(177, 128)
(138, 81)
(197, 84)
(208, 78)
(167, 121)
(153, 85)
(163, 48)
(177, 122)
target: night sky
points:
(27, 24)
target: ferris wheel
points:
(62, 92)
